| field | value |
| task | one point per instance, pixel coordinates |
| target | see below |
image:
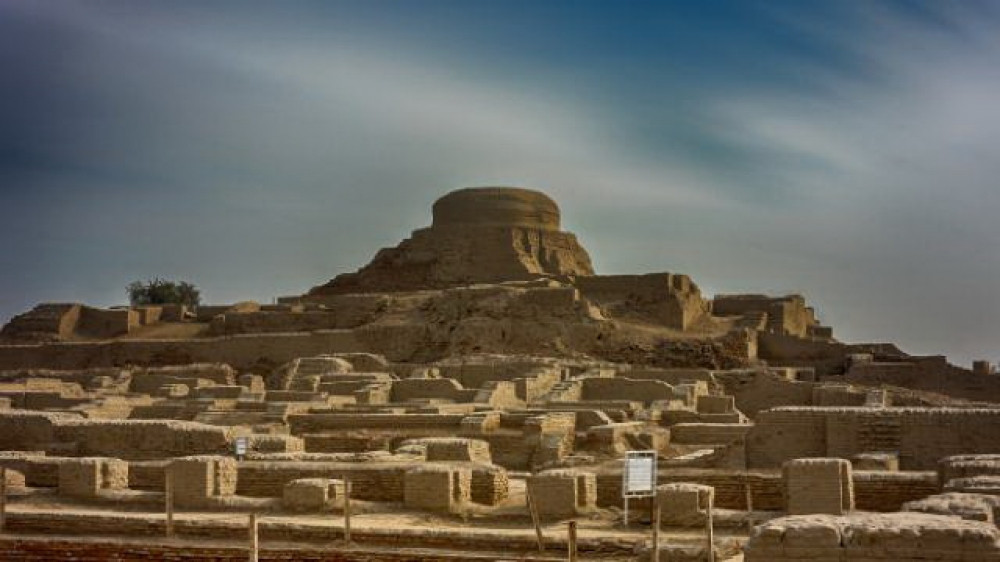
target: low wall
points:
(371, 481)
(930, 374)
(131, 439)
(697, 433)
(730, 488)
(622, 388)
(260, 353)
(888, 491)
(318, 423)
(922, 436)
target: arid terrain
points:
(472, 394)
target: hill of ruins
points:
(472, 393)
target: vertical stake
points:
(535, 521)
(749, 505)
(3, 499)
(252, 528)
(168, 499)
(656, 531)
(709, 531)
(347, 509)
(572, 541)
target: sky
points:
(848, 151)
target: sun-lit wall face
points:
(846, 151)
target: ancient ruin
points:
(470, 394)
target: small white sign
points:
(639, 476)
(241, 446)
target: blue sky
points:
(848, 151)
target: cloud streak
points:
(259, 152)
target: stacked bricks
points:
(684, 503)
(490, 484)
(887, 461)
(456, 449)
(561, 494)
(716, 404)
(311, 494)
(87, 476)
(818, 485)
(440, 488)
(198, 478)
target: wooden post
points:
(347, 509)
(572, 541)
(168, 499)
(710, 543)
(749, 506)
(656, 531)
(535, 521)
(3, 499)
(252, 528)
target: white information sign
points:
(638, 476)
(241, 446)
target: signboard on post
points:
(240, 447)
(638, 476)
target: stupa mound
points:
(478, 235)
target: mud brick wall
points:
(730, 488)
(350, 442)
(818, 485)
(258, 352)
(510, 449)
(369, 481)
(921, 435)
(39, 471)
(100, 550)
(490, 484)
(144, 439)
(147, 475)
(888, 491)
(708, 432)
(86, 477)
(317, 423)
(28, 431)
(639, 390)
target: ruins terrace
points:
(471, 394)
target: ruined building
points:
(468, 393)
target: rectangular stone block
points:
(683, 503)
(818, 485)
(561, 494)
(87, 476)
(437, 488)
(198, 478)
(311, 494)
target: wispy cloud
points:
(259, 153)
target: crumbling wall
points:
(870, 537)
(818, 485)
(921, 435)
(259, 353)
(620, 388)
(668, 299)
(370, 481)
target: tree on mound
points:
(161, 291)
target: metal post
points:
(656, 531)
(625, 518)
(347, 509)
(168, 499)
(572, 541)
(253, 537)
